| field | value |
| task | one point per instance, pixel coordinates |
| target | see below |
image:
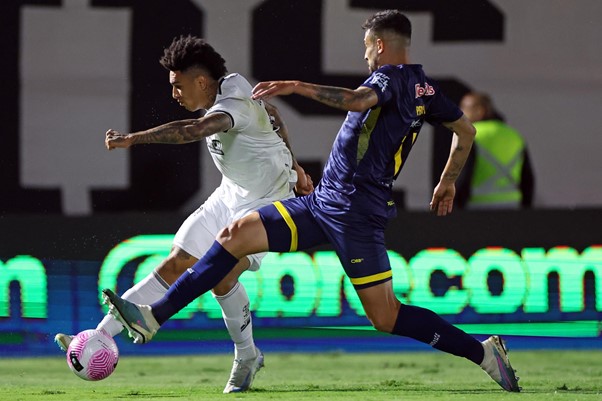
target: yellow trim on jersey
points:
(398, 157)
(372, 278)
(290, 223)
(365, 133)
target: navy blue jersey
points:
(372, 146)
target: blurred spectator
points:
(498, 172)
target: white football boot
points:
(243, 373)
(497, 365)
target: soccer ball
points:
(92, 355)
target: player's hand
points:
(304, 185)
(442, 202)
(268, 89)
(114, 139)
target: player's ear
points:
(202, 81)
(380, 45)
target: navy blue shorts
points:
(359, 240)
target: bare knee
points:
(383, 323)
(228, 234)
(234, 232)
(244, 237)
(381, 306)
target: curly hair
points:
(389, 20)
(190, 51)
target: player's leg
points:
(236, 311)
(365, 260)
(234, 302)
(153, 286)
(289, 225)
(282, 227)
(196, 235)
(249, 359)
(146, 291)
(387, 314)
(243, 237)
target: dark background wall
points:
(73, 69)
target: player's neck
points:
(401, 57)
(212, 93)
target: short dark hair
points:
(389, 20)
(189, 51)
(484, 100)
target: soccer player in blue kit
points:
(351, 205)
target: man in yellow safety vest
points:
(498, 173)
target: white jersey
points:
(256, 169)
(253, 159)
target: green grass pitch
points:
(545, 375)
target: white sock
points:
(237, 316)
(149, 290)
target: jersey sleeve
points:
(380, 82)
(237, 109)
(440, 109)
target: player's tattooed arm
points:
(359, 99)
(443, 195)
(175, 132)
(464, 133)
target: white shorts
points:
(197, 233)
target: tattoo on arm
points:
(452, 175)
(456, 161)
(331, 96)
(184, 131)
(173, 132)
(343, 98)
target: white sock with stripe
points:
(237, 316)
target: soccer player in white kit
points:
(248, 142)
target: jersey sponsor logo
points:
(416, 123)
(380, 80)
(420, 110)
(426, 91)
(215, 146)
(358, 260)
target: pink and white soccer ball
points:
(92, 355)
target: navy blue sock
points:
(200, 278)
(426, 326)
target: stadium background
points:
(74, 68)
